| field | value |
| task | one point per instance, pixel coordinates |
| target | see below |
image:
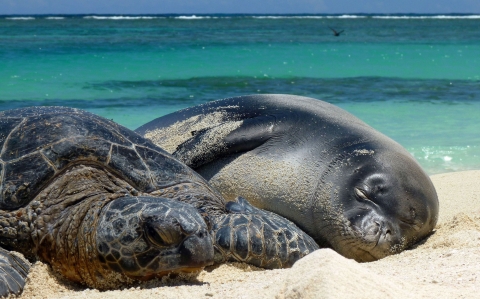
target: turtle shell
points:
(39, 143)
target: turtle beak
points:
(193, 251)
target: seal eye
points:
(161, 235)
(362, 194)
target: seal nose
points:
(385, 232)
(197, 250)
(379, 232)
(373, 230)
(388, 241)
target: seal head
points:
(383, 208)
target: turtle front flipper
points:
(13, 273)
(258, 237)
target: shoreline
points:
(445, 265)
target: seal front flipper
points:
(13, 273)
(229, 137)
(258, 237)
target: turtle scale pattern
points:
(258, 237)
(67, 139)
(61, 167)
(104, 206)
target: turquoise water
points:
(415, 78)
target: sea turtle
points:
(345, 184)
(104, 206)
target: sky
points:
(235, 6)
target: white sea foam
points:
(353, 16)
(309, 17)
(429, 17)
(288, 17)
(346, 17)
(440, 159)
(122, 17)
(20, 18)
(194, 17)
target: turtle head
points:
(384, 199)
(143, 237)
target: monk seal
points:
(345, 184)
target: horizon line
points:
(243, 14)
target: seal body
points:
(345, 184)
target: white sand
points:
(446, 265)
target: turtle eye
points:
(206, 218)
(208, 222)
(163, 235)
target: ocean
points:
(416, 78)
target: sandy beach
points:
(445, 265)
